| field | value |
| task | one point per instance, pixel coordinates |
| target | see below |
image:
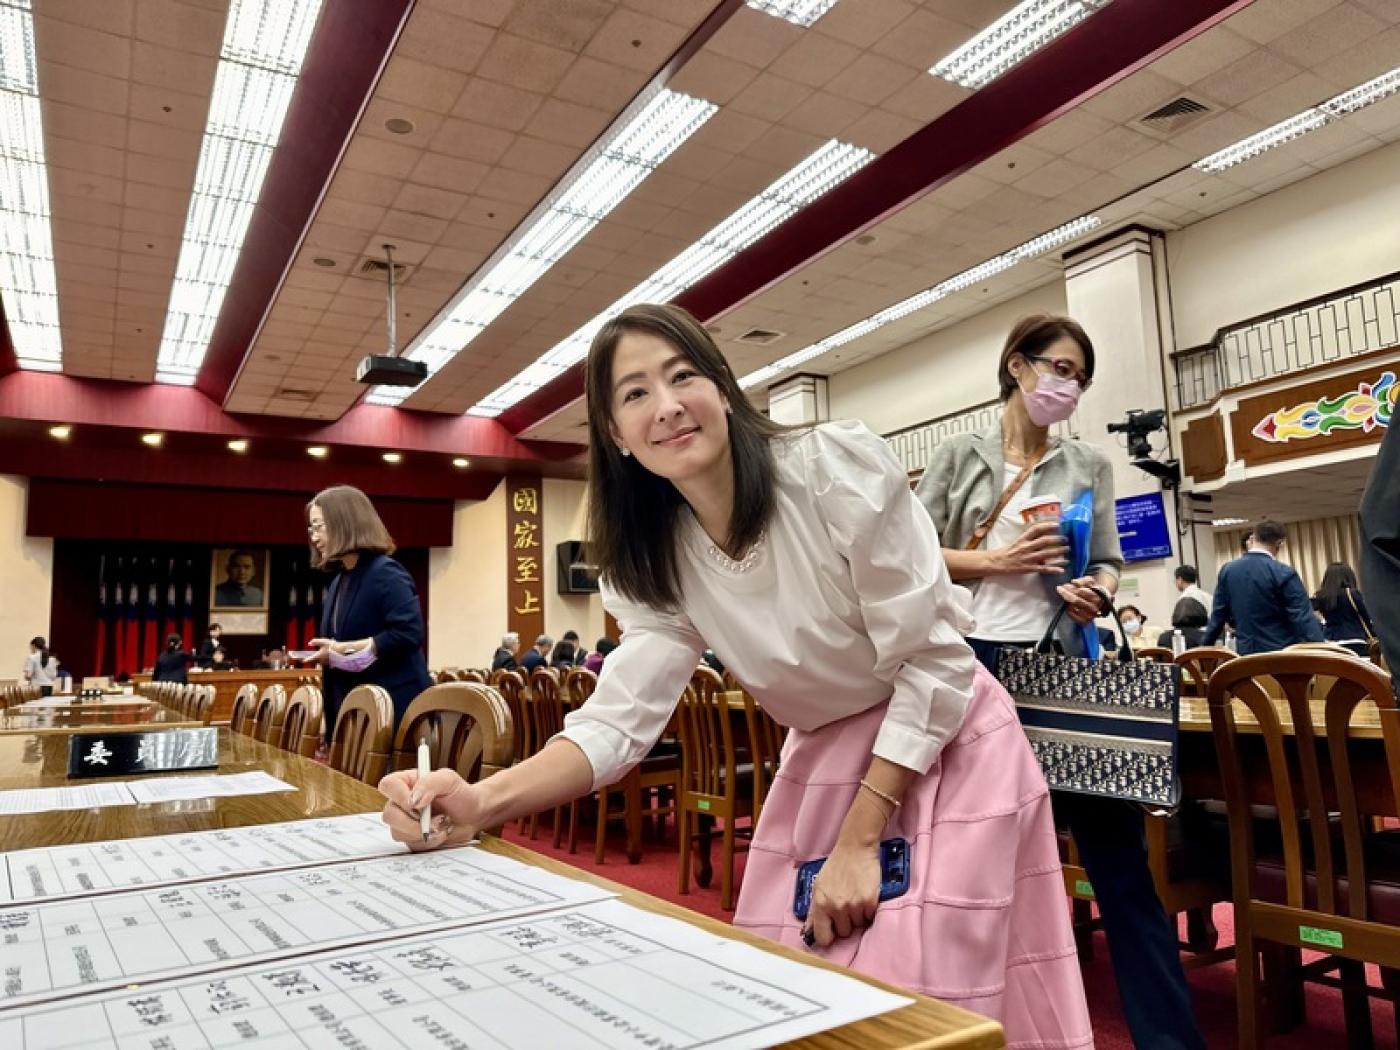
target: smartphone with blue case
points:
(894, 875)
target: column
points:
(799, 399)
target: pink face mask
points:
(356, 661)
(1052, 401)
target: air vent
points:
(759, 337)
(291, 393)
(377, 270)
(1176, 115)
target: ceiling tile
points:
(601, 84)
(871, 79)
(524, 63)
(921, 40)
(78, 47)
(636, 41)
(179, 25)
(82, 125)
(82, 87)
(498, 105)
(1269, 21)
(754, 38)
(430, 202)
(769, 98)
(470, 141)
(569, 26)
(420, 83)
(823, 113)
(863, 22)
(714, 77)
(449, 173)
(813, 59)
(445, 39)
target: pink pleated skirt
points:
(985, 924)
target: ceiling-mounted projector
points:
(388, 369)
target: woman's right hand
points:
(1041, 549)
(455, 805)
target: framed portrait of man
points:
(238, 579)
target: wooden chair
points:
(204, 703)
(579, 684)
(766, 738)
(467, 726)
(1320, 647)
(1156, 653)
(301, 725)
(470, 675)
(1377, 654)
(714, 783)
(1324, 885)
(364, 734)
(240, 719)
(511, 686)
(1198, 664)
(545, 710)
(268, 715)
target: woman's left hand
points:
(1084, 602)
(326, 646)
(845, 894)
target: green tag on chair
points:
(1083, 888)
(1322, 938)
(703, 805)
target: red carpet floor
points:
(1213, 987)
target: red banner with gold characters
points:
(525, 557)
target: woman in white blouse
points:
(41, 666)
(802, 558)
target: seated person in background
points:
(594, 661)
(1346, 620)
(220, 661)
(1263, 598)
(573, 639)
(1189, 617)
(536, 655)
(504, 659)
(275, 660)
(173, 665)
(563, 656)
(710, 660)
(1136, 627)
(238, 588)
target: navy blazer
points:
(1267, 603)
(1380, 545)
(376, 599)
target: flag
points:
(187, 612)
(150, 632)
(100, 649)
(131, 636)
(293, 613)
(172, 605)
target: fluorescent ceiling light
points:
(1011, 39)
(647, 133)
(1300, 124)
(831, 164)
(27, 282)
(318, 451)
(393, 457)
(969, 277)
(1224, 523)
(61, 431)
(259, 62)
(461, 463)
(798, 12)
(154, 439)
(238, 445)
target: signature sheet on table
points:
(323, 933)
(97, 867)
(600, 975)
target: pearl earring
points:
(624, 451)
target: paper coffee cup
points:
(1040, 508)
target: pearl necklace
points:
(741, 565)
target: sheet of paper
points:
(183, 789)
(45, 702)
(80, 796)
(602, 975)
(104, 867)
(66, 947)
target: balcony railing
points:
(913, 446)
(1343, 324)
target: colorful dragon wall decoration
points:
(1369, 406)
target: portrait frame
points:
(239, 580)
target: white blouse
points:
(846, 604)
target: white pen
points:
(425, 767)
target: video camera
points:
(1139, 424)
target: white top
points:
(1203, 596)
(846, 604)
(1011, 608)
(38, 672)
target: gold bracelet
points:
(881, 794)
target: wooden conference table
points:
(31, 761)
(85, 718)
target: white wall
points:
(944, 372)
(1335, 229)
(26, 578)
(467, 582)
(467, 586)
(565, 517)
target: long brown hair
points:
(352, 525)
(633, 513)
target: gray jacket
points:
(966, 476)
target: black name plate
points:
(120, 754)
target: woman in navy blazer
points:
(371, 620)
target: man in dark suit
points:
(504, 658)
(1380, 546)
(1263, 598)
(537, 655)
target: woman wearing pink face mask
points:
(973, 489)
